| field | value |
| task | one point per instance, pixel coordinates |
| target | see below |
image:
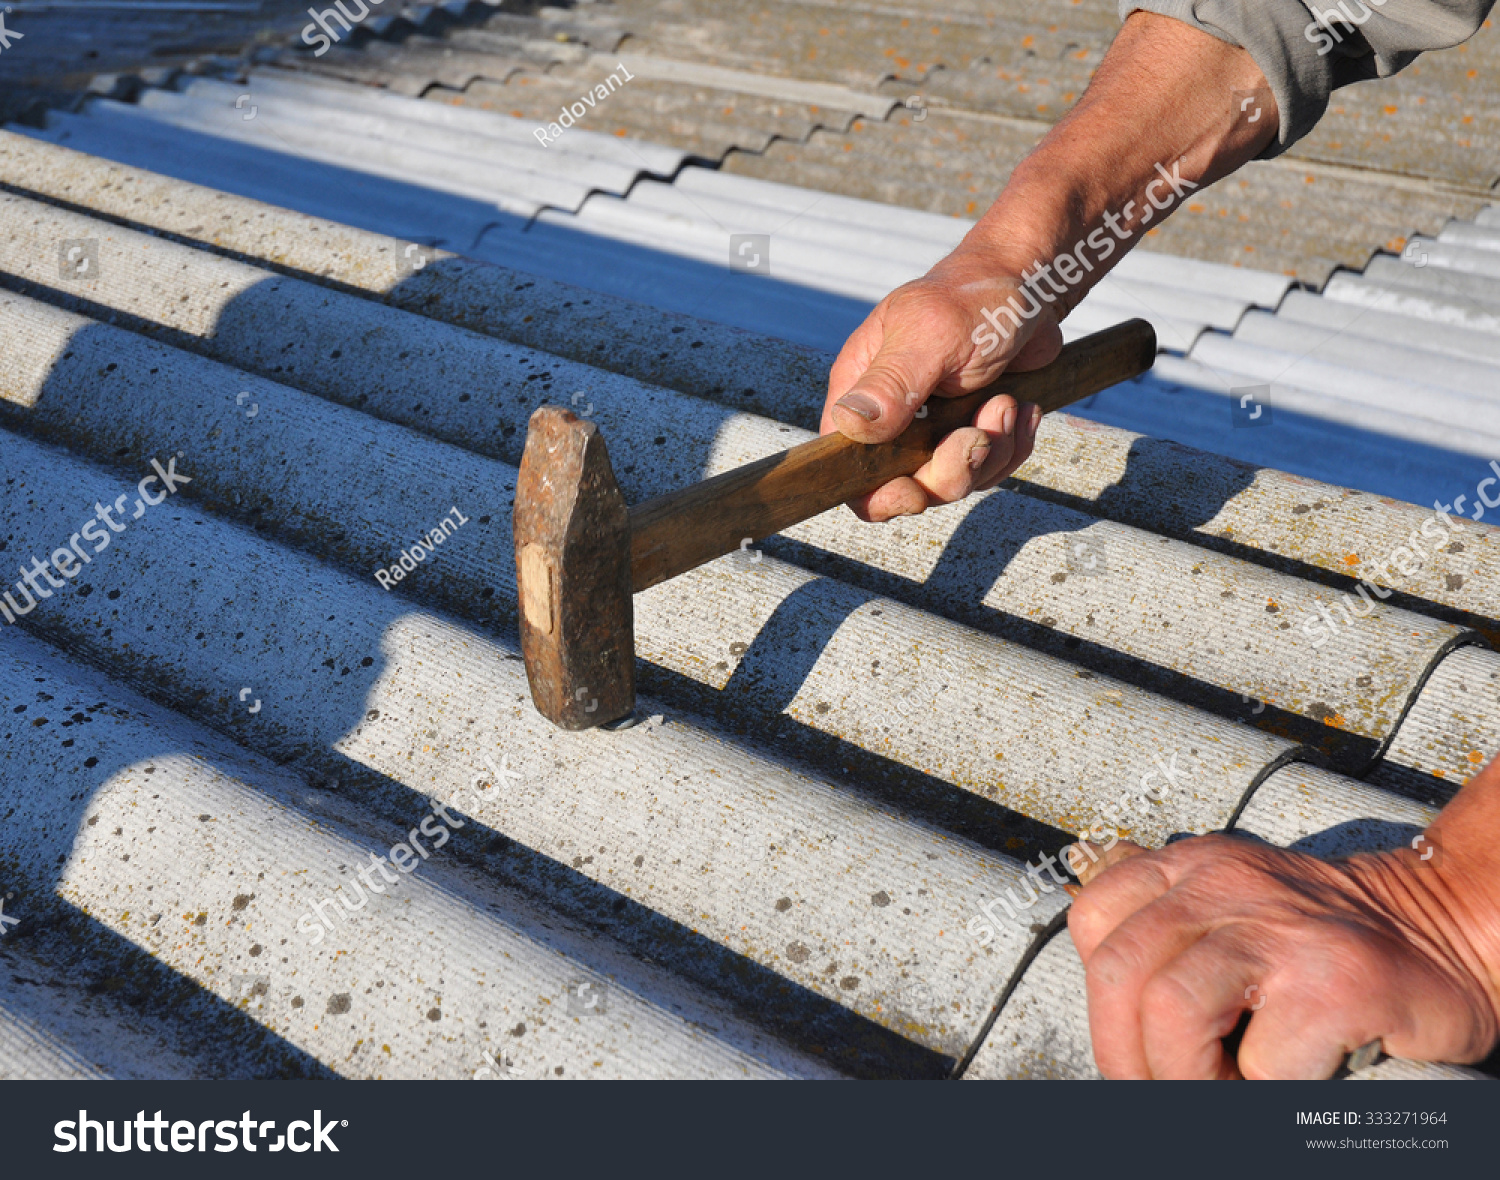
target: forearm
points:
(1162, 101)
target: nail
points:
(1033, 420)
(1008, 420)
(862, 404)
(978, 455)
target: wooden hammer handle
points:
(682, 530)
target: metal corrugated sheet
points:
(802, 833)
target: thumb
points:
(882, 403)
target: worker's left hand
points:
(1326, 957)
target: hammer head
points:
(572, 536)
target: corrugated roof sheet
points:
(852, 740)
(723, 83)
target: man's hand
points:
(917, 342)
(1179, 944)
(1160, 105)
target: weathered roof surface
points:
(58, 50)
(852, 740)
(722, 81)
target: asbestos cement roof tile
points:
(803, 855)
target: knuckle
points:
(1168, 1001)
(1111, 967)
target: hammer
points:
(581, 554)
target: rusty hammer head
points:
(572, 537)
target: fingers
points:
(956, 466)
(995, 416)
(1096, 860)
(971, 459)
(1120, 967)
(1195, 1000)
(1340, 987)
(900, 497)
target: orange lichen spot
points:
(848, 147)
(1475, 757)
(1027, 41)
(1080, 55)
(906, 22)
(822, 32)
(1070, 96)
(1440, 773)
(1335, 721)
(971, 206)
(1023, 88)
(1390, 110)
(890, 52)
(1310, 179)
(621, 132)
(935, 31)
(1472, 74)
(1465, 143)
(1196, 207)
(1041, 107)
(903, 63)
(1467, 119)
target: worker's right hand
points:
(919, 342)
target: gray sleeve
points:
(1309, 48)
